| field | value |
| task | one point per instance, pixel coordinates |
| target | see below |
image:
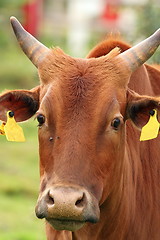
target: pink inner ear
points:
(20, 102)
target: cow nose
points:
(68, 207)
(65, 202)
(62, 202)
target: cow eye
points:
(115, 123)
(40, 119)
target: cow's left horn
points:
(137, 55)
(34, 50)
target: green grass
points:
(19, 185)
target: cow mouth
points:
(63, 224)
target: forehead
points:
(79, 82)
(58, 66)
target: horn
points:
(137, 55)
(34, 50)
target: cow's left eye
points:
(115, 123)
(40, 119)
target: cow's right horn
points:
(140, 53)
(34, 50)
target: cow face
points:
(80, 114)
(81, 110)
(81, 107)
(81, 127)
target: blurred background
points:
(75, 26)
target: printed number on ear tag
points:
(151, 129)
(12, 130)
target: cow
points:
(97, 180)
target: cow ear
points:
(139, 108)
(24, 103)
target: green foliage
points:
(11, 3)
(15, 68)
(148, 16)
(16, 71)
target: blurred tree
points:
(7, 9)
(12, 70)
(148, 16)
(11, 3)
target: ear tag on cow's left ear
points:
(151, 129)
(12, 130)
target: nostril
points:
(50, 199)
(80, 201)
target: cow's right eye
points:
(40, 119)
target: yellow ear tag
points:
(151, 129)
(2, 132)
(12, 130)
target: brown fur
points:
(80, 98)
(131, 210)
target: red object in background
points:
(32, 12)
(111, 13)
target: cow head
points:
(81, 106)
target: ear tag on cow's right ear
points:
(12, 130)
(151, 129)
